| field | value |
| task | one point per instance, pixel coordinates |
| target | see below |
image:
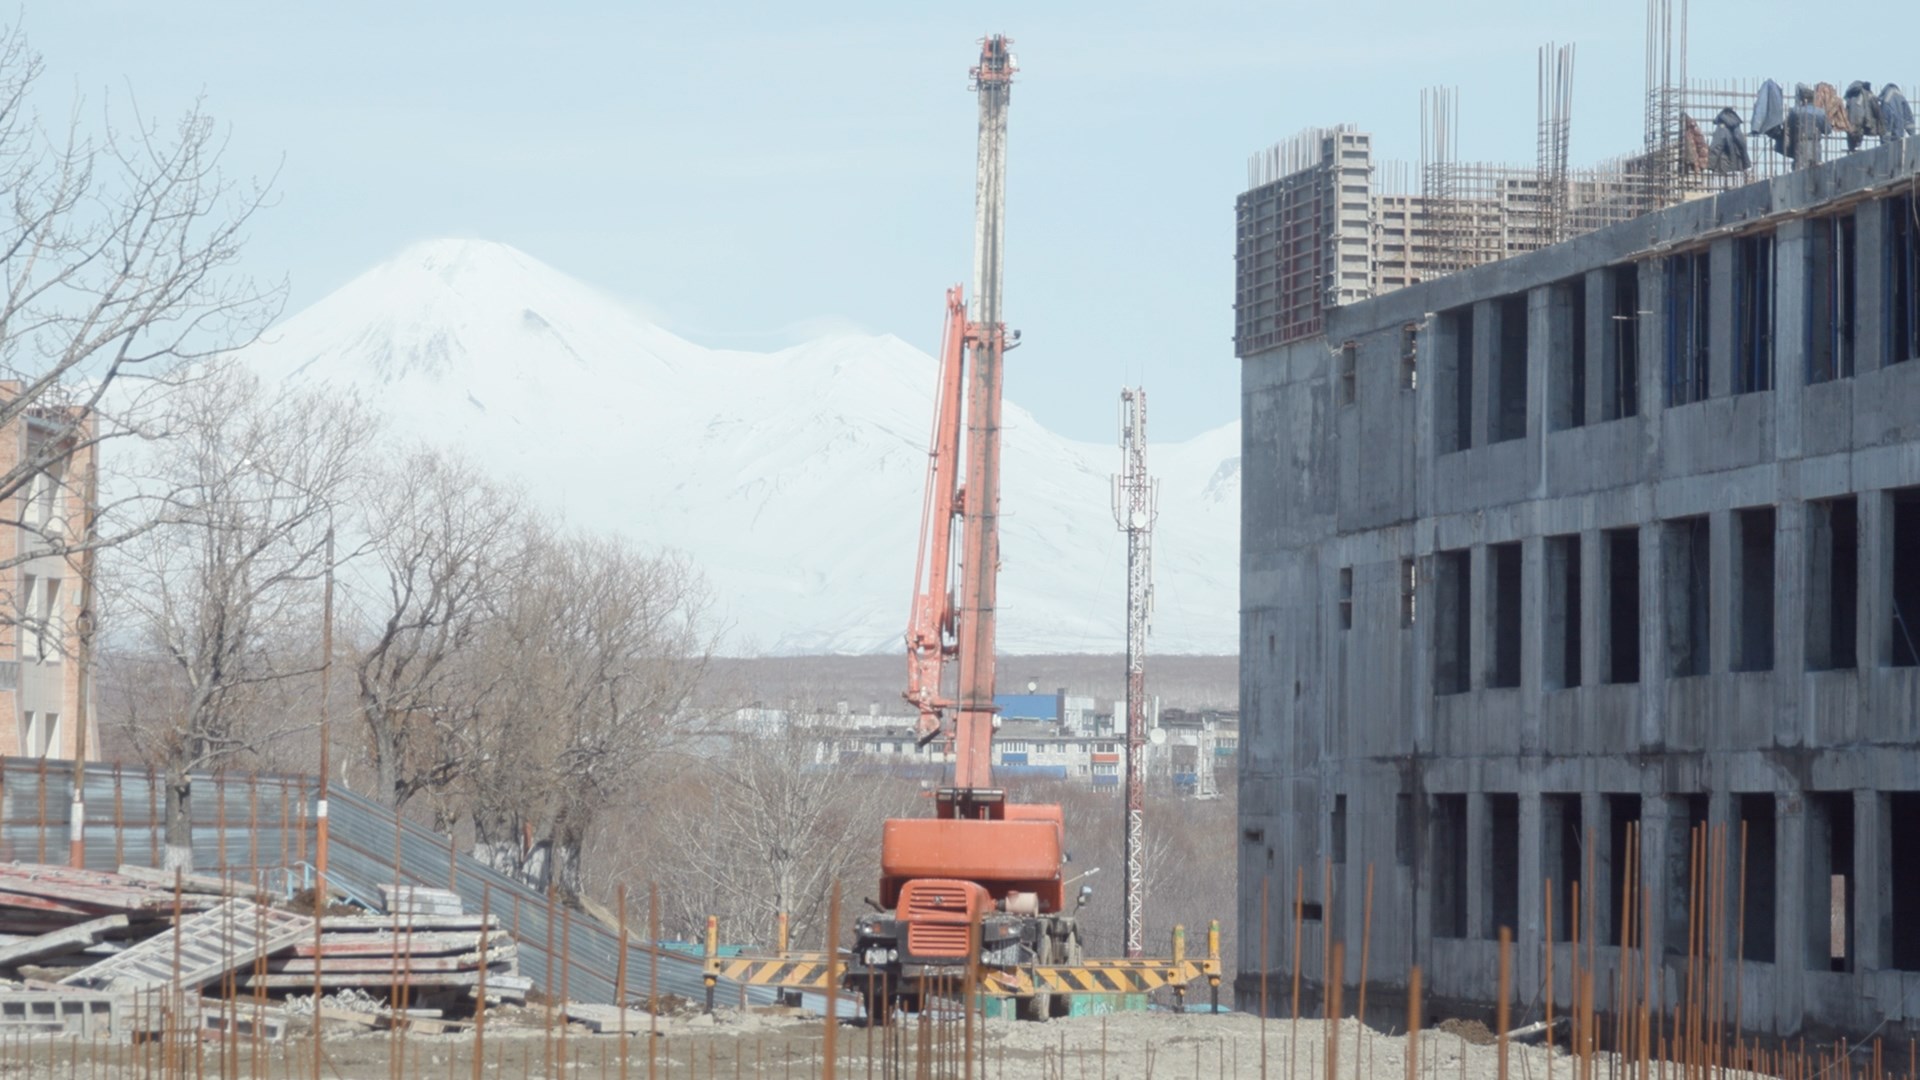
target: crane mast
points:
(953, 615)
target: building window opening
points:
(1830, 881)
(1563, 613)
(1623, 837)
(1831, 244)
(1906, 576)
(1753, 589)
(1623, 604)
(1753, 313)
(1453, 421)
(1621, 396)
(1903, 809)
(1453, 628)
(1563, 858)
(1687, 328)
(1688, 598)
(1902, 277)
(1833, 586)
(1509, 419)
(1449, 848)
(1410, 356)
(1348, 355)
(1762, 884)
(1503, 567)
(1346, 598)
(1503, 865)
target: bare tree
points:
(594, 659)
(218, 588)
(118, 247)
(444, 548)
(770, 829)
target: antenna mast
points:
(1135, 505)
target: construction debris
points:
(95, 953)
(199, 950)
(76, 938)
(416, 900)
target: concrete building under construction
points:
(1567, 556)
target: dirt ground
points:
(519, 1044)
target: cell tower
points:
(1136, 502)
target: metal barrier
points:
(259, 827)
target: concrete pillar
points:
(1479, 840)
(1720, 590)
(1596, 826)
(1594, 645)
(1869, 267)
(1544, 360)
(1485, 325)
(1791, 947)
(1533, 591)
(1598, 337)
(1790, 339)
(1480, 608)
(1653, 636)
(1528, 935)
(1720, 322)
(1792, 605)
(1876, 580)
(1656, 831)
(1653, 360)
(1872, 912)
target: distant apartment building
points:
(1041, 737)
(42, 684)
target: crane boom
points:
(953, 610)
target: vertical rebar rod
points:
(620, 978)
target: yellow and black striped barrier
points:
(795, 971)
(810, 971)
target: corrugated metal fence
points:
(260, 827)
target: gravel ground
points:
(518, 1044)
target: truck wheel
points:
(1062, 1004)
(1040, 1006)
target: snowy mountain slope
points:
(793, 478)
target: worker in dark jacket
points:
(1727, 153)
(1896, 116)
(1863, 113)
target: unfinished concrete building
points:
(1557, 558)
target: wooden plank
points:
(73, 939)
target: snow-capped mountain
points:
(792, 478)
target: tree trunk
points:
(386, 763)
(565, 837)
(179, 823)
(496, 843)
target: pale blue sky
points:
(749, 172)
